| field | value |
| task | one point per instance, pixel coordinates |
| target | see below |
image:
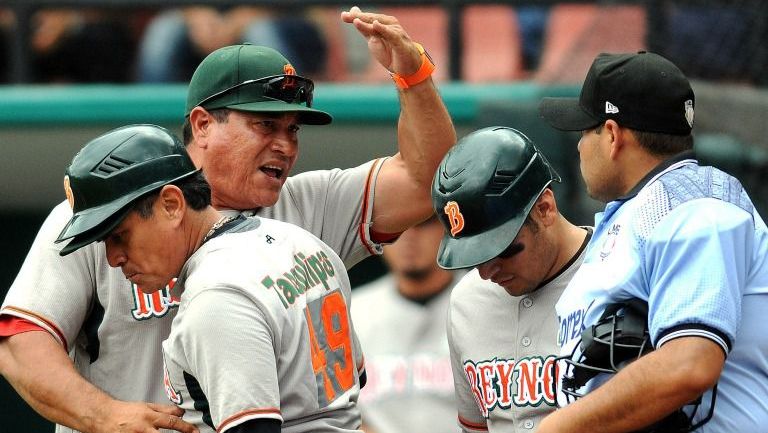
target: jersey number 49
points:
(330, 346)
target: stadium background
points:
(486, 72)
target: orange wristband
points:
(424, 72)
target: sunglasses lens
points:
(290, 89)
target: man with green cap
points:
(263, 341)
(243, 112)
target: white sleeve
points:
(51, 291)
(229, 345)
(469, 418)
(336, 206)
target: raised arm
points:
(425, 131)
(39, 369)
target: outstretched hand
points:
(388, 42)
(137, 417)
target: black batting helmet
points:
(483, 191)
(112, 171)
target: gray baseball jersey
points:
(410, 387)
(108, 326)
(502, 350)
(264, 331)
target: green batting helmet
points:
(112, 171)
(483, 191)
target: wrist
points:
(425, 71)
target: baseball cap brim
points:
(473, 250)
(566, 114)
(307, 116)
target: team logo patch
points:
(610, 108)
(455, 217)
(289, 69)
(689, 112)
(68, 192)
(610, 241)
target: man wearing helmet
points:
(680, 241)
(493, 194)
(243, 112)
(261, 300)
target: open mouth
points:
(272, 171)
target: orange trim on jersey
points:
(246, 413)
(472, 425)
(32, 316)
(364, 214)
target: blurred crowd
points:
(541, 42)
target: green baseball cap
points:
(252, 78)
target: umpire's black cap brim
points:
(567, 114)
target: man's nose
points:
(115, 255)
(489, 269)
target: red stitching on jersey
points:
(363, 238)
(245, 413)
(472, 425)
(12, 325)
(56, 331)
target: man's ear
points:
(171, 203)
(545, 208)
(200, 121)
(617, 136)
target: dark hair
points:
(664, 145)
(658, 143)
(220, 114)
(196, 190)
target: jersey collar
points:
(677, 160)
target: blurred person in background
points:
(176, 40)
(7, 22)
(400, 321)
(81, 46)
(723, 41)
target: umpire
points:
(682, 238)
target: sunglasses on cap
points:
(292, 89)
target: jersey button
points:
(527, 302)
(525, 341)
(528, 424)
